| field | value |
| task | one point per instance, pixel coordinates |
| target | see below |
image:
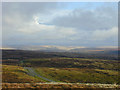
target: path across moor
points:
(32, 72)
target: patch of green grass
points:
(44, 73)
(75, 75)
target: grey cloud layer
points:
(27, 10)
(98, 19)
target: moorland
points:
(25, 66)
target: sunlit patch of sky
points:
(86, 5)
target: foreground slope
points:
(17, 74)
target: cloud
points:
(105, 34)
(33, 32)
(99, 18)
(56, 24)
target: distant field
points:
(73, 63)
(23, 54)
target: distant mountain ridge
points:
(79, 49)
(45, 47)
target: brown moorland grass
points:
(58, 85)
(16, 74)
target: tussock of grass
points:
(58, 86)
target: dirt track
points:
(33, 73)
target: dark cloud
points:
(26, 10)
(97, 19)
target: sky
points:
(88, 24)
